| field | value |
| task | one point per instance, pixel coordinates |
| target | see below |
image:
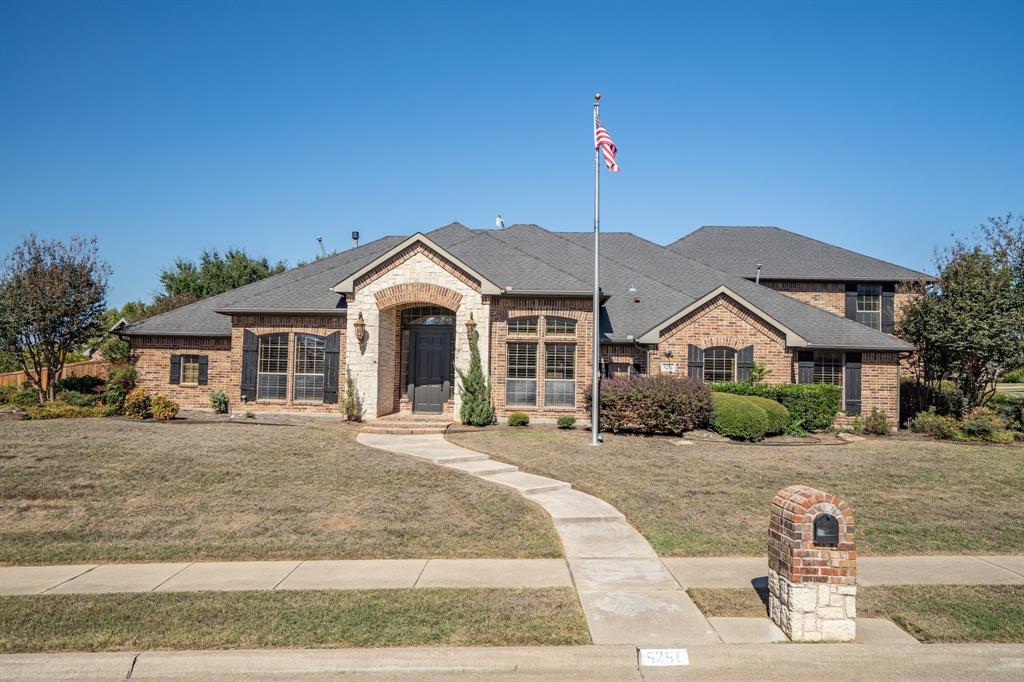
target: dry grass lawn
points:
(711, 499)
(308, 619)
(82, 490)
(931, 613)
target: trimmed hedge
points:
(518, 419)
(739, 417)
(812, 407)
(778, 415)
(653, 404)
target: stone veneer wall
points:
(151, 356)
(812, 589)
(505, 307)
(723, 322)
(416, 275)
(320, 325)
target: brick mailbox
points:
(812, 566)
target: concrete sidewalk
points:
(599, 663)
(396, 573)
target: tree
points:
(476, 407)
(969, 325)
(112, 347)
(52, 298)
(214, 274)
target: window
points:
(869, 305)
(560, 375)
(309, 368)
(429, 315)
(828, 368)
(559, 326)
(272, 378)
(190, 369)
(719, 364)
(522, 326)
(521, 373)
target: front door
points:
(431, 369)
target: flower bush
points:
(137, 404)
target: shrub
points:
(19, 397)
(353, 405)
(778, 415)
(935, 425)
(812, 407)
(518, 419)
(219, 402)
(120, 383)
(917, 397)
(877, 423)
(56, 409)
(981, 422)
(476, 409)
(136, 404)
(1011, 408)
(162, 407)
(79, 399)
(739, 417)
(83, 384)
(653, 404)
(1014, 377)
(566, 421)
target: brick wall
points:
(625, 354)
(879, 385)
(830, 296)
(504, 308)
(723, 322)
(151, 356)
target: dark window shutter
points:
(695, 362)
(250, 364)
(204, 369)
(175, 369)
(851, 301)
(332, 358)
(744, 363)
(888, 311)
(805, 364)
(852, 384)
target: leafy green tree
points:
(52, 298)
(476, 409)
(108, 345)
(969, 325)
(214, 274)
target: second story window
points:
(559, 326)
(869, 305)
(522, 326)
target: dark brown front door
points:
(431, 370)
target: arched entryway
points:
(426, 357)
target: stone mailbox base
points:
(812, 586)
(809, 612)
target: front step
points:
(406, 424)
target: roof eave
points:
(281, 311)
(347, 285)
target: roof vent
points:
(632, 290)
(757, 277)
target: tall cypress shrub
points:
(476, 407)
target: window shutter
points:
(204, 369)
(332, 357)
(744, 363)
(852, 384)
(805, 364)
(888, 311)
(175, 369)
(695, 362)
(250, 364)
(851, 301)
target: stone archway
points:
(420, 293)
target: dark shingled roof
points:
(785, 255)
(644, 283)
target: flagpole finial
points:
(597, 96)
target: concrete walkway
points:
(627, 594)
(891, 661)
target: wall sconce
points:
(360, 326)
(668, 353)
(470, 326)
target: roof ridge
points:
(490, 233)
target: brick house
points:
(394, 314)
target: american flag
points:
(603, 141)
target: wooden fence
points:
(98, 368)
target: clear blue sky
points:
(167, 127)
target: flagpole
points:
(595, 396)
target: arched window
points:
(272, 378)
(309, 368)
(559, 326)
(719, 364)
